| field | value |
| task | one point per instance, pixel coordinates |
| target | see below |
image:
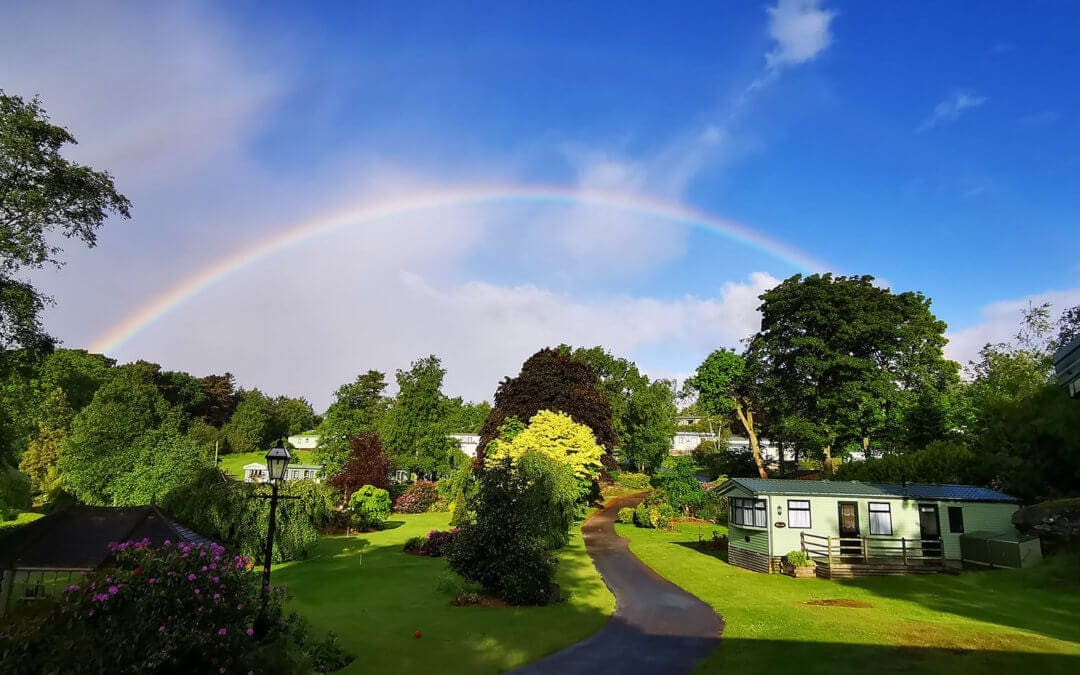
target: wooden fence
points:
(860, 550)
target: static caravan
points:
(851, 528)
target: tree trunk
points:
(866, 447)
(828, 460)
(747, 419)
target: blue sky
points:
(933, 145)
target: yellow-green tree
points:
(557, 436)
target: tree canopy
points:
(358, 406)
(416, 426)
(553, 380)
(43, 196)
(555, 435)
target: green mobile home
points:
(851, 528)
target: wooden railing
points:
(847, 550)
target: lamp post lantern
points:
(277, 460)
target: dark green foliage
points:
(370, 506)
(462, 488)
(292, 416)
(415, 428)
(252, 427)
(219, 399)
(626, 515)
(436, 544)
(553, 497)
(174, 609)
(503, 549)
(678, 479)
(841, 361)
(643, 411)
(713, 507)
(552, 380)
(319, 501)
(43, 196)
(14, 492)
(126, 446)
(231, 513)
(939, 462)
(717, 459)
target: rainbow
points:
(145, 315)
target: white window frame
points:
(790, 510)
(871, 511)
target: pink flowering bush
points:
(434, 545)
(177, 608)
(419, 498)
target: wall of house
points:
(978, 517)
(824, 514)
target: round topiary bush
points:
(626, 516)
(371, 506)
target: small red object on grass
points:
(416, 634)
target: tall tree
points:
(551, 379)
(367, 464)
(293, 415)
(722, 388)
(98, 452)
(358, 406)
(219, 399)
(415, 428)
(252, 427)
(643, 412)
(42, 456)
(843, 355)
(42, 195)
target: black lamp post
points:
(277, 460)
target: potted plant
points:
(797, 564)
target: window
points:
(880, 518)
(798, 513)
(956, 519)
(749, 512)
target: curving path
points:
(657, 627)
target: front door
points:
(849, 528)
(930, 530)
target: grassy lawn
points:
(233, 464)
(21, 519)
(978, 622)
(377, 601)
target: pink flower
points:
(197, 591)
(222, 631)
(215, 579)
(240, 606)
(191, 577)
(203, 568)
(151, 581)
(250, 632)
(166, 543)
(217, 596)
(90, 613)
(72, 588)
(161, 629)
(113, 590)
(221, 669)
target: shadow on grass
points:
(1044, 599)
(705, 548)
(762, 656)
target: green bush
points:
(678, 479)
(714, 507)
(626, 515)
(503, 549)
(370, 506)
(462, 487)
(233, 514)
(798, 559)
(656, 516)
(635, 481)
(553, 497)
(176, 609)
(14, 492)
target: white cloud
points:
(800, 29)
(1001, 321)
(951, 108)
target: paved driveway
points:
(657, 627)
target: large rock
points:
(1056, 522)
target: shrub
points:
(319, 501)
(418, 498)
(413, 545)
(14, 492)
(502, 549)
(438, 543)
(714, 507)
(553, 497)
(371, 506)
(626, 515)
(678, 479)
(659, 516)
(635, 481)
(798, 559)
(183, 608)
(230, 512)
(462, 489)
